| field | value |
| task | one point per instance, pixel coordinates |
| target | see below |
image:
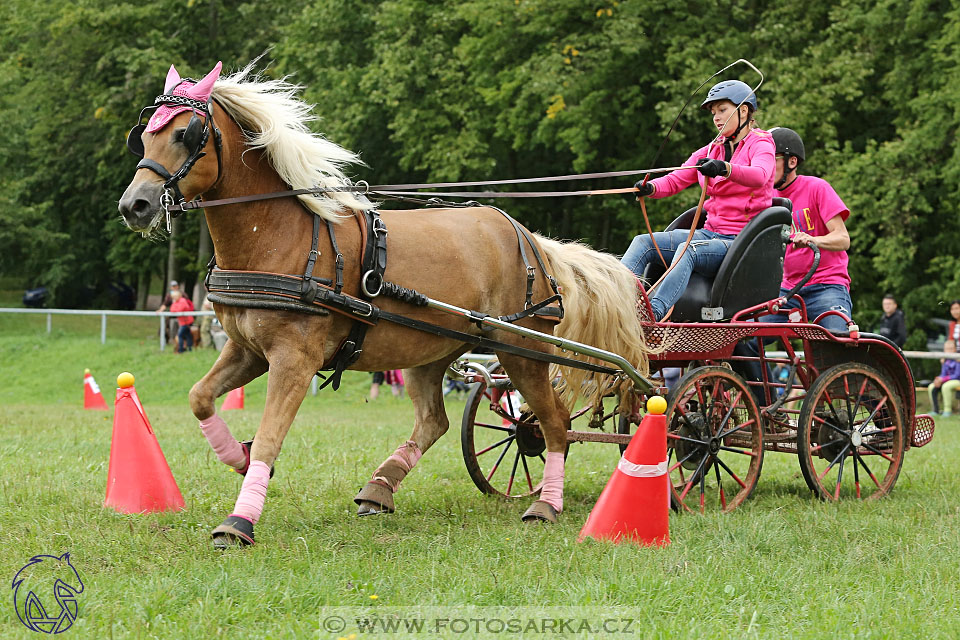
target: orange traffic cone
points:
(139, 479)
(234, 400)
(635, 505)
(92, 398)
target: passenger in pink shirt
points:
(737, 169)
(818, 219)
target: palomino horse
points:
(240, 135)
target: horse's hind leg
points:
(425, 386)
(291, 371)
(532, 380)
(234, 368)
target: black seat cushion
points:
(750, 273)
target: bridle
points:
(195, 137)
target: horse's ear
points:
(202, 90)
(173, 79)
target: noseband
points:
(195, 137)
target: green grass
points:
(784, 565)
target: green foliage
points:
(490, 89)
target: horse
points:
(241, 134)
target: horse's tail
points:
(600, 309)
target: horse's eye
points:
(178, 135)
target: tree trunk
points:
(143, 289)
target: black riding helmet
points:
(788, 143)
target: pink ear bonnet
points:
(184, 88)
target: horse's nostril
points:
(140, 206)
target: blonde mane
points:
(275, 119)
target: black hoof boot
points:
(235, 532)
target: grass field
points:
(784, 565)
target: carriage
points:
(846, 409)
(301, 283)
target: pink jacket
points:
(731, 202)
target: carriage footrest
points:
(923, 427)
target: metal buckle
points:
(366, 187)
(367, 314)
(379, 226)
(365, 289)
(167, 201)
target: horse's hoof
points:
(235, 532)
(540, 511)
(247, 446)
(370, 509)
(374, 498)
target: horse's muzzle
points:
(140, 205)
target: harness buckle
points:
(167, 201)
(379, 226)
(368, 313)
(366, 289)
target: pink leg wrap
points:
(228, 450)
(253, 492)
(398, 465)
(552, 491)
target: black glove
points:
(712, 167)
(643, 189)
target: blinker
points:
(135, 141)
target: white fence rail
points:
(163, 315)
(103, 313)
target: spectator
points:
(165, 306)
(184, 335)
(378, 377)
(946, 383)
(953, 333)
(206, 325)
(452, 385)
(394, 378)
(168, 300)
(893, 326)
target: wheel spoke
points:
(860, 459)
(689, 484)
(840, 455)
(744, 452)
(495, 445)
(527, 472)
(737, 428)
(836, 493)
(675, 436)
(513, 472)
(680, 462)
(494, 426)
(856, 473)
(877, 451)
(723, 498)
(496, 465)
(731, 473)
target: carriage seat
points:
(750, 273)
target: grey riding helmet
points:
(733, 90)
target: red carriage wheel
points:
(503, 448)
(714, 440)
(851, 437)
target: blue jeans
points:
(184, 335)
(820, 298)
(706, 253)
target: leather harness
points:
(319, 296)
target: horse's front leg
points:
(425, 388)
(234, 368)
(291, 371)
(532, 379)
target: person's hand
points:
(643, 189)
(937, 381)
(712, 167)
(801, 239)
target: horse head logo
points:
(39, 576)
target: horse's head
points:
(180, 150)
